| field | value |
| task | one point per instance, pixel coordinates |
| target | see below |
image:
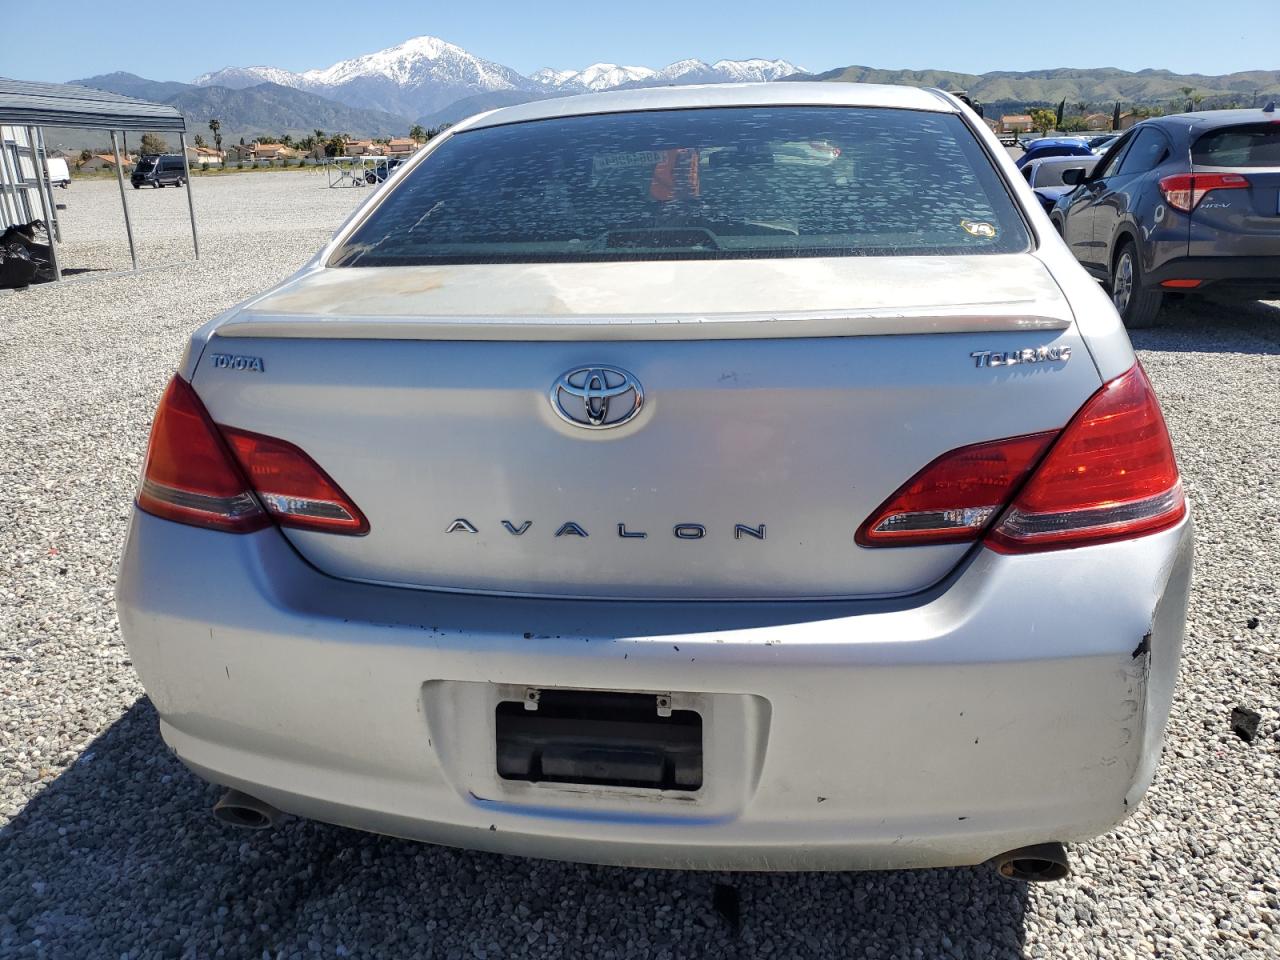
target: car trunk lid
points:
(783, 402)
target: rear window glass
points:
(1051, 174)
(1252, 145)
(696, 184)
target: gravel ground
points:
(109, 850)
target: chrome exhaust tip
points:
(1041, 863)
(238, 809)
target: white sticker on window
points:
(979, 228)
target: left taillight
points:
(190, 475)
(294, 489)
(228, 479)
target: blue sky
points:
(96, 36)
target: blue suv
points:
(1187, 204)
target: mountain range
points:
(248, 112)
(430, 81)
(1103, 85)
(424, 75)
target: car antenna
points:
(1270, 107)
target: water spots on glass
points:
(697, 184)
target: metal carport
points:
(33, 106)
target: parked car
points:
(381, 170)
(159, 171)
(1045, 175)
(59, 174)
(1187, 203)
(1053, 147)
(608, 490)
(1101, 144)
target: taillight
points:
(232, 480)
(190, 475)
(1110, 475)
(1184, 191)
(955, 498)
(293, 487)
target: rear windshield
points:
(697, 184)
(1251, 145)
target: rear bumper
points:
(1260, 273)
(1022, 701)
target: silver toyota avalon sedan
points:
(736, 477)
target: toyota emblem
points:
(597, 397)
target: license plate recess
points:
(599, 738)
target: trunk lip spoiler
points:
(975, 318)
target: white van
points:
(59, 175)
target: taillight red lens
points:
(219, 477)
(1111, 475)
(293, 487)
(1184, 191)
(190, 475)
(955, 498)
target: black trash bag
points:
(17, 268)
(33, 240)
(33, 232)
(34, 236)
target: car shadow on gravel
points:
(119, 855)
(1202, 325)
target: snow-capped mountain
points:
(608, 76)
(420, 61)
(598, 76)
(424, 75)
(240, 78)
(755, 69)
(412, 78)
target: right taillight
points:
(957, 496)
(1184, 191)
(1110, 475)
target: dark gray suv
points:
(159, 171)
(1187, 204)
